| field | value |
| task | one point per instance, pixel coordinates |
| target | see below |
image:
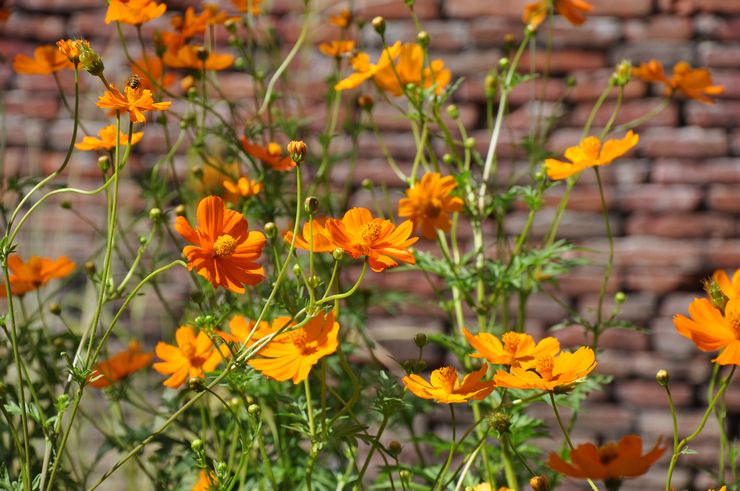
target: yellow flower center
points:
(274, 150)
(299, 341)
(544, 365)
(188, 350)
(433, 208)
(224, 245)
(511, 342)
(608, 453)
(370, 232)
(448, 378)
(732, 314)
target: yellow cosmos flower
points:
(712, 331)
(590, 153)
(444, 386)
(192, 357)
(136, 102)
(107, 139)
(365, 70)
(428, 204)
(336, 49)
(409, 69)
(514, 349)
(550, 372)
(134, 12)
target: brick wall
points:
(673, 203)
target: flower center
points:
(544, 365)
(370, 232)
(188, 350)
(733, 318)
(448, 378)
(511, 342)
(608, 453)
(299, 341)
(433, 208)
(224, 245)
(274, 150)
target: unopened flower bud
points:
(104, 163)
(254, 409)
(201, 53)
(663, 377)
(160, 48)
(530, 30)
(192, 92)
(469, 143)
(715, 294)
(155, 214)
(620, 298)
(379, 25)
(394, 448)
(421, 340)
(90, 268)
(311, 205)
(539, 483)
(222, 468)
(500, 421)
(240, 63)
(365, 102)
(67, 205)
(509, 42)
(231, 25)
(196, 384)
(197, 445)
(448, 158)
(90, 60)
(623, 73)
(270, 230)
(337, 254)
(453, 111)
(297, 149)
(503, 63)
(297, 270)
(571, 81)
(367, 184)
(405, 475)
(422, 39)
(490, 84)
(55, 309)
(313, 281)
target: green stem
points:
(441, 477)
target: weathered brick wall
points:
(673, 202)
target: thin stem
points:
(443, 472)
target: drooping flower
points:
(408, 68)
(271, 155)
(514, 349)
(550, 372)
(428, 204)
(225, 251)
(359, 234)
(152, 68)
(291, 355)
(613, 461)
(192, 357)
(242, 188)
(107, 139)
(134, 12)
(444, 385)
(248, 6)
(590, 153)
(37, 272)
(46, 60)
(694, 83)
(730, 288)
(336, 49)
(712, 331)
(342, 20)
(364, 70)
(322, 239)
(136, 101)
(573, 10)
(207, 481)
(197, 58)
(119, 366)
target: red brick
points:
(474, 8)
(724, 170)
(638, 308)
(644, 393)
(723, 197)
(446, 35)
(730, 80)
(667, 342)
(591, 84)
(490, 31)
(390, 9)
(624, 8)
(722, 254)
(628, 111)
(658, 280)
(661, 197)
(573, 225)
(686, 142)
(724, 114)
(713, 54)
(660, 27)
(643, 251)
(564, 61)
(698, 225)
(44, 28)
(596, 33)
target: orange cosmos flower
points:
(590, 153)
(242, 188)
(342, 20)
(46, 60)
(136, 101)
(190, 57)
(336, 49)
(550, 372)
(359, 234)
(119, 366)
(409, 69)
(712, 331)
(240, 328)
(694, 83)
(573, 10)
(322, 239)
(192, 24)
(135, 12)
(723, 488)
(248, 6)
(206, 481)
(107, 139)
(292, 354)
(515, 349)
(444, 386)
(192, 357)
(225, 251)
(35, 273)
(365, 70)
(731, 289)
(152, 68)
(612, 461)
(73, 48)
(271, 155)
(428, 204)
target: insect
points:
(133, 82)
